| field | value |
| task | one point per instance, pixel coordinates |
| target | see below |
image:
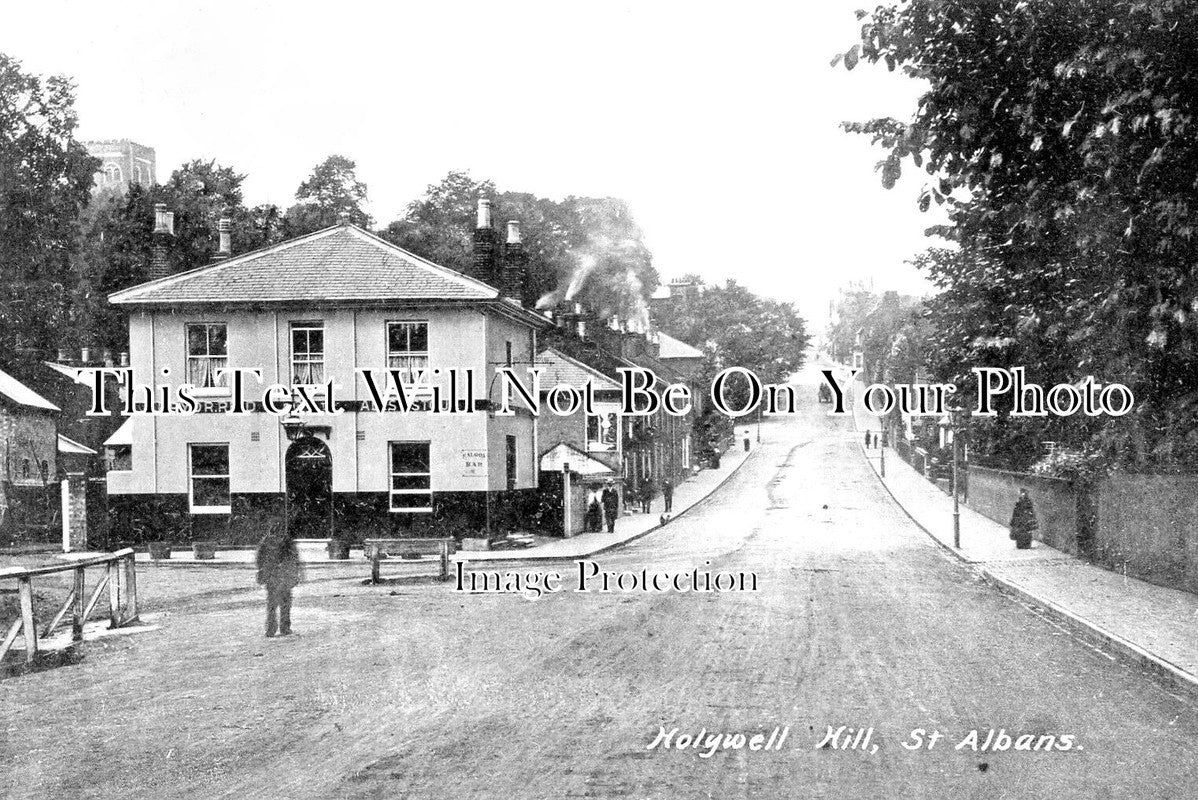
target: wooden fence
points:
(122, 605)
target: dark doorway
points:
(310, 488)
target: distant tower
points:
(124, 163)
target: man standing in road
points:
(279, 572)
(667, 494)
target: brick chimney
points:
(224, 229)
(164, 231)
(486, 246)
(514, 279)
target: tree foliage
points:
(332, 192)
(737, 328)
(1061, 139)
(581, 248)
(45, 182)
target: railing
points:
(119, 613)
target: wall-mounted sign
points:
(474, 463)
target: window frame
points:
(615, 430)
(392, 475)
(220, 386)
(192, 477)
(407, 354)
(308, 326)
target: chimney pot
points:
(484, 213)
(85, 355)
(224, 228)
(124, 359)
(62, 355)
(164, 221)
(513, 232)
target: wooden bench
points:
(376, 549)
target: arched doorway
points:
(309, 472)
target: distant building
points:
(124, 163)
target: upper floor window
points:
(137, 173)
(112, 174)
(208, 471)
(307, 353)
(207, 352)
(603, 430)
(407, 349)
(508, 353)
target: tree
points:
(581, 248)
(737, 328)
(45, 181)
(330, 193)
(1060, 136)
(118, 237)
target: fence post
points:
(444, 561)
(114, 594)
(77, 616)
(27, 621)
(130, 589)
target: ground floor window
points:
(208, 484)
(411, 478)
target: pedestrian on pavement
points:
(648, 490)
(593, 519)
(611, 505)
(667, 494)
(867, 440)
(279, 572)
(1023, 521)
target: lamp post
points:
(954, 422)
(293, 427)
(882, 451)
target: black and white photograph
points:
(646, 400)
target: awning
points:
(122, 436)
(579, 462)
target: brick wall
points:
(993, 492)
(1145, 524)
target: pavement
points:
(1153, 625)
(629, 527)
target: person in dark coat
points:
(868, 442)
(648, 490)
(594, 516)
(611, 505)
(279, 572)
(667, 494)
(1023, 521)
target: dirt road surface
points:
(415, 690)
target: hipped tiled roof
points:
(343, 263)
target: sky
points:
(718, 123)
